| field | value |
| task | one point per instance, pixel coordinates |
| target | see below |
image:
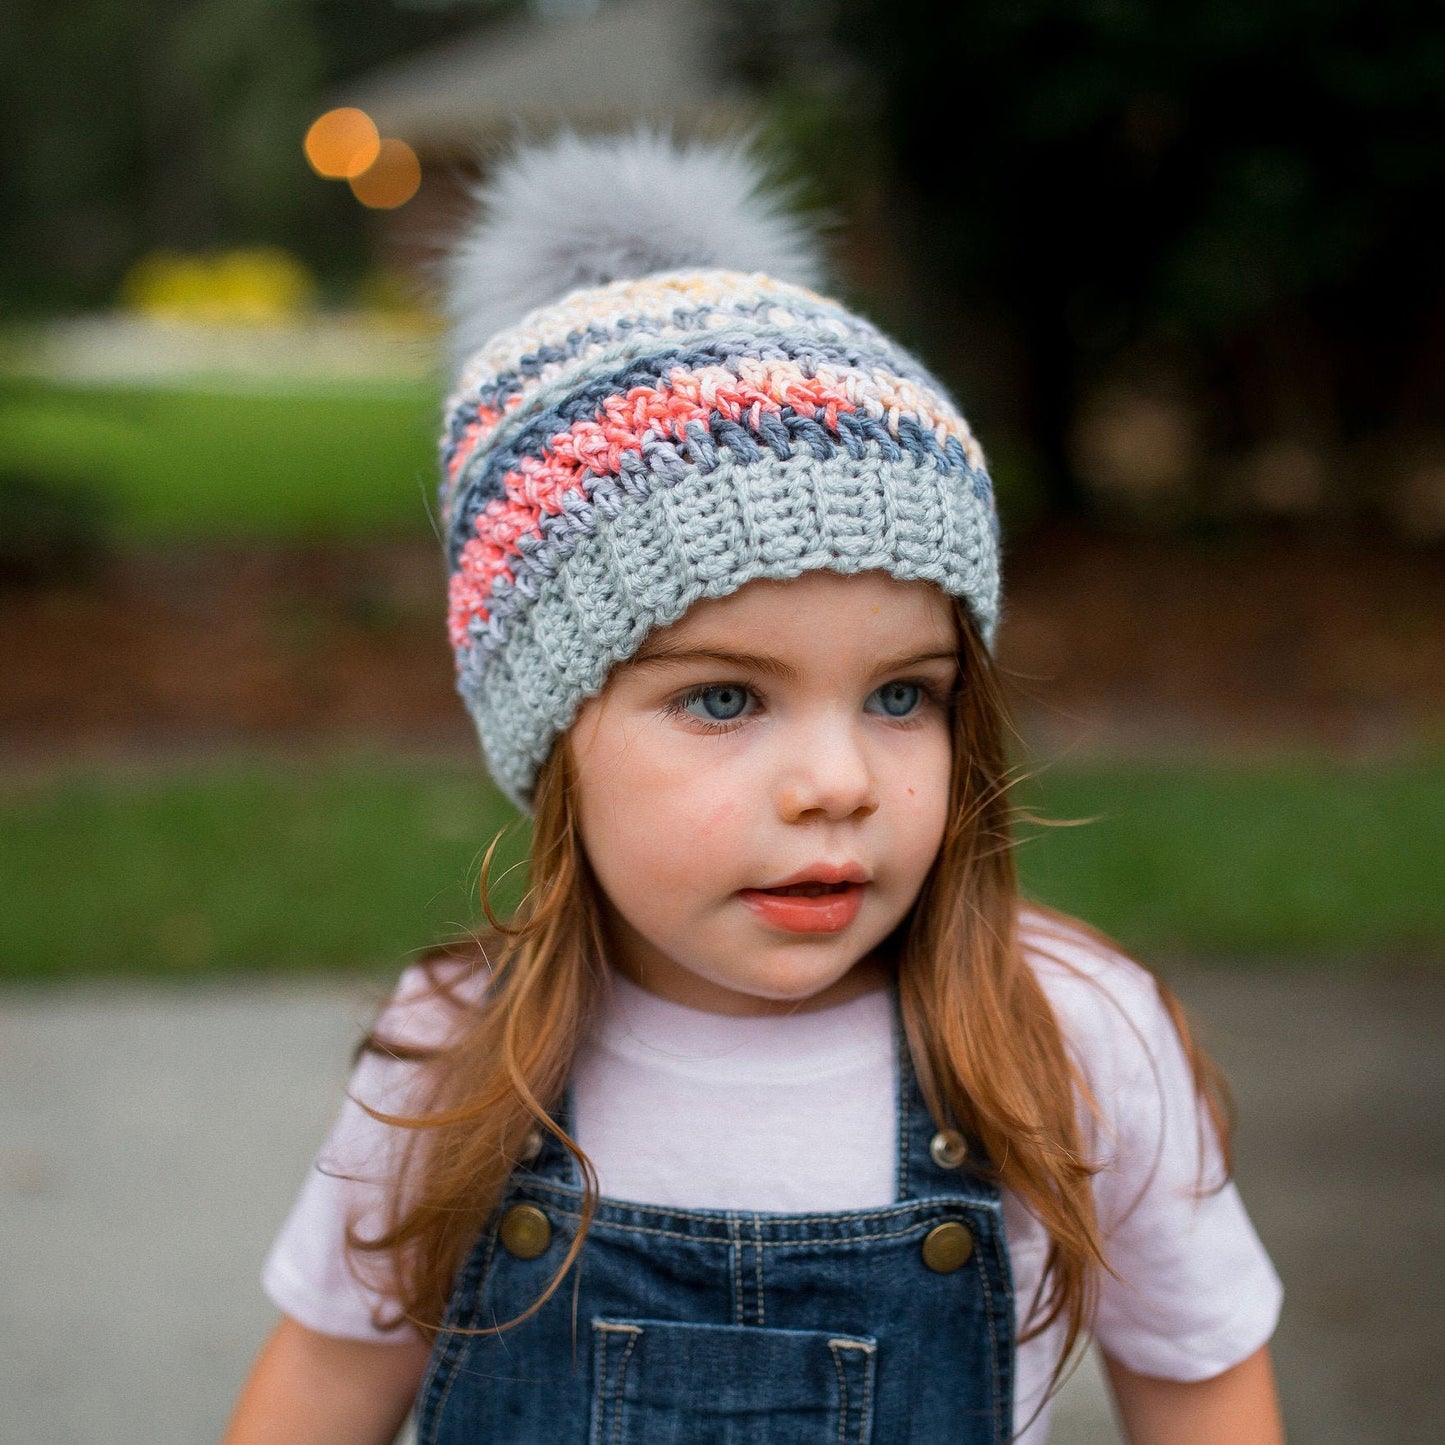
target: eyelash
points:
(679, 705)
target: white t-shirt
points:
(797, 1113)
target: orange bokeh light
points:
(342, 143)
(391, 180)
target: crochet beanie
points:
(654, 406)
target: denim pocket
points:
(656, 1382)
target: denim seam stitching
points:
(982, 1204)
(758, 1268)
(842, 1392)
(735, 1260)
(599, 1398)
(471, 1323)
(865, 1423)
(868, 1349)
(617, 1393)
(815, 1241)
(812, 1241)
(999, 1253)
(906, 1088)
(990, 1334)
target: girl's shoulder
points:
(1110, 1009)
(1068, 957)
(1190, 1290)
(430, 999)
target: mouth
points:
(806, 890)
(820, 876)
(827, 901)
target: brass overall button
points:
(946, 1247)
(526, 1231)
(948, 1149)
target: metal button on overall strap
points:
(525, 1231)
(947, 1247)
(948, 1149)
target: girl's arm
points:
(312, 1389)
(1239, 1407)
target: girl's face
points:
(762, 789)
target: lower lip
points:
(797, 913)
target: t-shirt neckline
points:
(672, 1037)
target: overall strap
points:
(932, 1159)
(551, 1160)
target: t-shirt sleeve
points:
(1193, 1291)
(308, 1274)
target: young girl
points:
(773, 1115)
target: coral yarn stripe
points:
(572, 460)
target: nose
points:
(827, 777)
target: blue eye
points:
(723, 703)
(898, 699)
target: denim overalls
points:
(710, 1327)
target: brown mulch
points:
(1265, 642)
(1112, 643)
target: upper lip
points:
(822, 873)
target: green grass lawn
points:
(179, 464)
(252, 865)
(1306, 857)
(269, 866)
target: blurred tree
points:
(177, 124)
(227, 87)
(1209, 204)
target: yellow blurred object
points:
(391, 180)
(342, 143)
(261, 286)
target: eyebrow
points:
(661, 652)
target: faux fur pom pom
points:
(582, 211)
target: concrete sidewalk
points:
(151, 1141)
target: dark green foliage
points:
(51, 532)
(1228, 205)
(1231, 198)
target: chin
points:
(797, 993)
(797, 985)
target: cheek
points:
(716, 816)
(920, 804)
(691, 833)
(650, 828)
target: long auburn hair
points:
(986, 1047)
